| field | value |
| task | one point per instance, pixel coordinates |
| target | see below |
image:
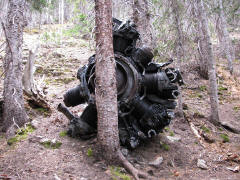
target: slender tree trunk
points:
(62, 13)
(106, 90)
(14, 112)
(203, 59)
(179, 45)
(106, 93)
(224, 39)
(3, 13)
(59, 11)
(141, 17)
(211, 63)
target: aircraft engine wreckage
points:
(146, 91)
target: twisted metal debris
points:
(146, 91)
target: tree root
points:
(130, 168)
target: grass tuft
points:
(117, 172)
(224, 137)
(50, 145)
(21, 134)
(205, 129)
(89, 152)
(63, 133)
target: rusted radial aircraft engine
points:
(146, 91)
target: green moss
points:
(224, 137)
(21, 134)
(43, 111)
(205, 129)
(89, 152)
(50, 145)
(63, 133)
(165, 147)
(47, 144)
(236, 108)
(203, 88)
(117, 173)
(65, 80)
(166, 129)
(12, 141)
(221, 88)
(171, 133)
(56, 145)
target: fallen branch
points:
(194, 130)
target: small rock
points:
(53, 141)
(201, 164)
(234, 169)
(44, 140)
(157, 162)
(83, 178)
(56, 177)
(35, 124)
(173, 138)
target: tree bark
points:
(179, 45)
(106, 90)
(13, 111)
(106, 93)
(3, 13)
(213, 92)
(224, 39)
(141, 17)
(201, 43)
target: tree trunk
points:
(211, 62)
(201, 43)
(141, 17)
(13, 111)
(224, 39)
(106, 91)
(179, 45)
(3, 13)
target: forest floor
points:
(56, 65)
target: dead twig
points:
(194, 130)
